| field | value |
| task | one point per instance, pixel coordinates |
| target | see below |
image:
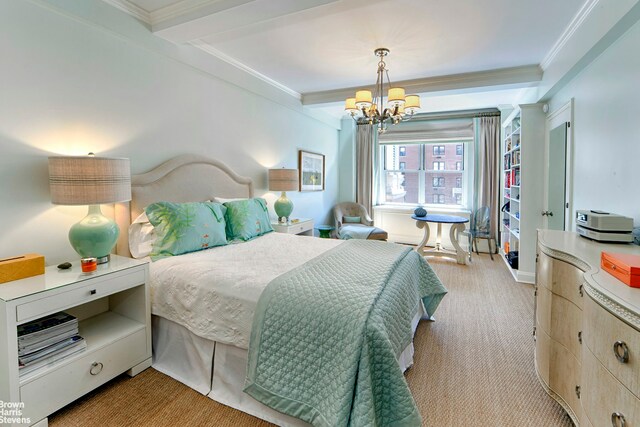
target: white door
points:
(557, 178)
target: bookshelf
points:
(113, 312)
(521, 180)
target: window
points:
(459, 151)
(438, 150)
(438, 181)
(420, 176)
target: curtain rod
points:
(461, 114)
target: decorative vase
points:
(420, 211)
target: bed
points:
(204, 303)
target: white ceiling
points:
(313, 46)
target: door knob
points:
(547, 213)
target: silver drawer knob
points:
(96, 368)
(617, 420)
(621, 350)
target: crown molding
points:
(573, 26)
(130, 8)
(226, 58)
(177, 9)
(522, 76)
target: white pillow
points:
(142, 236)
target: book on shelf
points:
(53, 358)
(39, 345)
(28, 358)
(46, 327)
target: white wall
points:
(607, 129)
(69, 86)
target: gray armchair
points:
(351, 209)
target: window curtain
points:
(487, 139)
(367, 166)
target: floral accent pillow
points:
(186, 227)
(247, 219)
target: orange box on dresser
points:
(624, 267)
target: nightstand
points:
(112, 306)
(304, 226)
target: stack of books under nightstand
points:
(48, 340)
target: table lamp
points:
(283, 180)
(92, 181)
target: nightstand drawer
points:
(100, 287)
(62, 386)
(300, 228)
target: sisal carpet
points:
(473, 367)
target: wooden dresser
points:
(587, 332)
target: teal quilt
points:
(326, 336)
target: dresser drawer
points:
(603, 395)
(543, 308)
(566, 281)
(543, 270)
(543, 349)
(564, 376)
(566, 324)
(602, 331)
(93, 289)
(62, 386)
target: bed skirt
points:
(218, 370)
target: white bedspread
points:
(213, 293)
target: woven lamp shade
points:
(89, 180)
(283, 179)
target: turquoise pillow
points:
(186, 227)
(351, 219)
(247, 219)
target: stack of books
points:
(48, 340)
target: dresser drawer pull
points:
(96, 368)
(580, 291)
(621, 351)
(578, 391)
(617, 416)
(92, 292)
(580, 337)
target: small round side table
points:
(325, 231)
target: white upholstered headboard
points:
(187, 178)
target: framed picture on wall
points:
(311, 167)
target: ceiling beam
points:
(524, 76)
(218, 16)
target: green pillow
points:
(247, 219)
(186, 227)
(351, 219)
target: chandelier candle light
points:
(399, 106)
(92, 181)
(283, 180)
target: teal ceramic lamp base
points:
(283, 207)
(94, 236)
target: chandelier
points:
(399, 106)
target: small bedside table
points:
(112, 306)
(304, 227)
